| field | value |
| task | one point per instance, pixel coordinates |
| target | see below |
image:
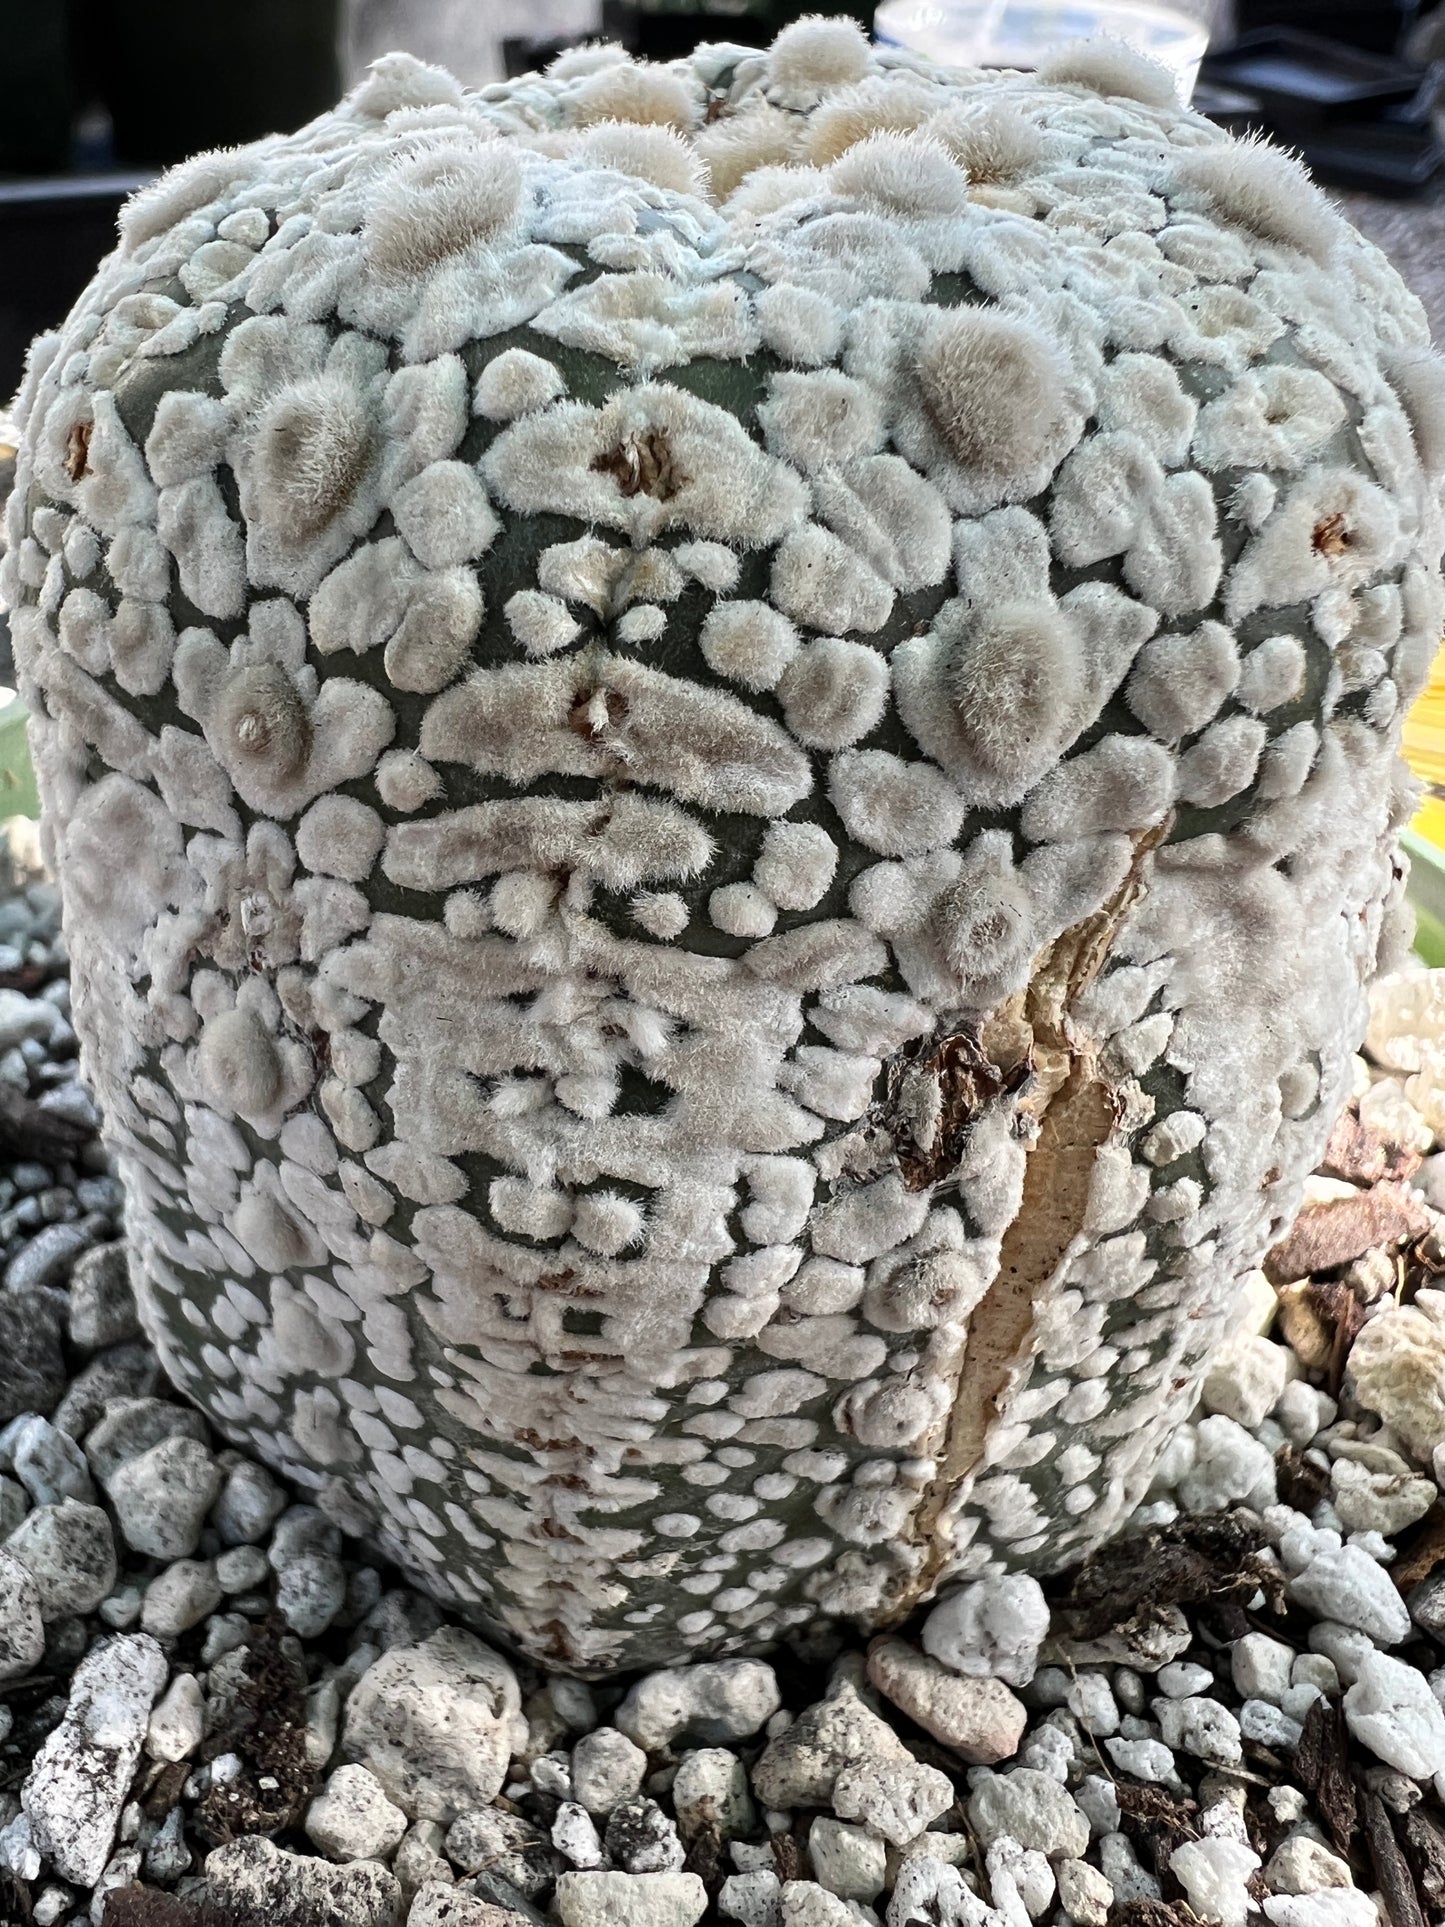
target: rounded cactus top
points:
(692, 718)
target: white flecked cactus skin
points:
(721, 741)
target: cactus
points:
(721, 741)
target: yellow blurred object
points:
(1424, 841)
(1425, 753)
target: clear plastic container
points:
(1018, 33)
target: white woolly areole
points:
(656, 689)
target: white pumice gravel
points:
(993, 1628)
(352, 1819)
(75, 1791)
(606, 1769)
(849, 1861)
(896, 1798)
(717, 1701)
(980, 1767)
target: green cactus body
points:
(721, 742)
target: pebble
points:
(1202, 1727)
(1384, 1502)
(552, 1774)
(438, 1904)
(630, 1900)
(1391, 1710)
(606, 1768)
(1084, 1894)
(22, 1631)
(1019, 1877)
(168, 1857)
(1143, 1644)
(1090, 1699)
(1214, 1874)
(992, 1628)
(34, 1375)
(1260, 1667)
(178, 1720)
(710, 1794)
(1301, 1865)
(241, 1568)
(130, 1426)
(162, 1497)
(1270, 1725)
(14, 1504)
(419, 1861)
(1097, 1799)
(753, 1898)
(310, 1592)
(1050, 1749)
(47, 1258)
(896, 1798)
(1029, 1807)
(1178, 1680)
(722, 1700)
(848, 1861)
(1146, 1759)
(352, 1819)
(1337, 1908)
(250, 1502)
(804, 1903)
(1245, 1379)
(102, 1306)
(926, 1890)
(123, 1371)
(641, 1838)
(979, 1717)
(437, 1724)
(253, 1878)
(22, 1017)
(1120, 1866)
(70, 1551)
(506, 1842)
(1230, 1466)
(575, 1836)
(180, 1597)
(82, 1772)
(1348, 1586)
(49, 1464)
(1302, 1410)
(225, 1632)
(800, 1767)
(1397, 1369)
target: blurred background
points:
(97, 96)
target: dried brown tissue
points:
(1076, 1109)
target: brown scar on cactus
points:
(1078, 1110)
(643, 464)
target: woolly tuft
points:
(1266, 191)
(1113, 68)
(441, 204)
(993, 389)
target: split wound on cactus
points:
(721, 741)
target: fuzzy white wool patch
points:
(657, 688)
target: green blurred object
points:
(35, 124)
(18, 795)
(179, 76)
(1426, 893)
